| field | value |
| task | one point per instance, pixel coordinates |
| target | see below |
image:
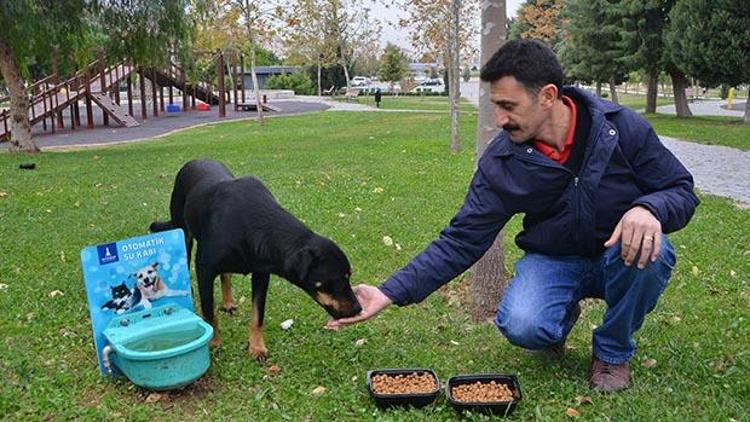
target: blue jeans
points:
(536, 310)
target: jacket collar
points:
(501, 145)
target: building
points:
(265, 72)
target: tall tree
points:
(539, 19)
(591, 48)
(27, 30)
(394, 64)
(444, 28)
(32, 31)
(303, 40)
(711, 41)
(488, 279)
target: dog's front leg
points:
(257, 347)
(206, 291)
(227, 301)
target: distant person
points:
(598, 191)
(378, 97)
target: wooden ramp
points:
(113, 109)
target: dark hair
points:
(531, 62)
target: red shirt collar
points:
(552, 152)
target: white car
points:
(361, 81)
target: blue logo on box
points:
(107, 253)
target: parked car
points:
(361, 81)
(430, 85)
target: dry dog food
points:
(414, 383)
(479, 392)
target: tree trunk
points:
(487, 277)
(346, 73)
(613, 90)
(747, 108)
(20, 127)
(680, 100)
(454, 75)
(319, 87)
(651, 91)
(598, 89)
(253, 75)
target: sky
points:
(400, 37)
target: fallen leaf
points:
(455, 343)
(572, 413)
(387, 241)
(242, 299)
(287, 324)
(77, 204)
(398, 247)
(695, 271)
(162, 176)
(377, 190)
(273, 370)
(648, 363)
(733, 273)
(49, 210)
(584, 400)
(358, 209)
(360, 342)
(676, 319)
(154, 397)
(319, 390)
(56, 293)
(354, 378)
(3, 194)
(3, 286)
(342, 215)
(96, 157)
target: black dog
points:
(240, 228)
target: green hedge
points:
(299, 82)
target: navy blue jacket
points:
(624, 165)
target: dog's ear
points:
(155, 265)
(301, 263)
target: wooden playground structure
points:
(100, 84)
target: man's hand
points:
(372, 301)
(639, 230)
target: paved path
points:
(708, 108)
(163, 125)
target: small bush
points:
(299, 82)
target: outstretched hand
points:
(372, 301)
(639, 231)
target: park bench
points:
(351, 94)
(329, 91)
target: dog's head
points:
(148, 278)
(322, 270)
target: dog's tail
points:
(160, 226)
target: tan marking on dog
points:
(216, 340)
(327, 300)
(227, 300)
(256, 344)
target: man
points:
(598, 190)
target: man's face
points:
(518, 111)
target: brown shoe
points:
(557, 351)
(608, 377)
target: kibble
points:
(480, 392)
(413, 383)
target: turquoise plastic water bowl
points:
(160, 349)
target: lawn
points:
(638, 101)
(428, 103)
(354, 177)
(711, 130)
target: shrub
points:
(299, 82)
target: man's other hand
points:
(639, 230)
(372, 301)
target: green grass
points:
(638, 101)
(323, 167)
(710, 130)
(428, 103)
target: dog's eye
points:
(318, 284)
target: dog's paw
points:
(259, 353)
(229, 310)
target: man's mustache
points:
(509, 127)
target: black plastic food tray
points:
(391, 400)
(494, 408)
